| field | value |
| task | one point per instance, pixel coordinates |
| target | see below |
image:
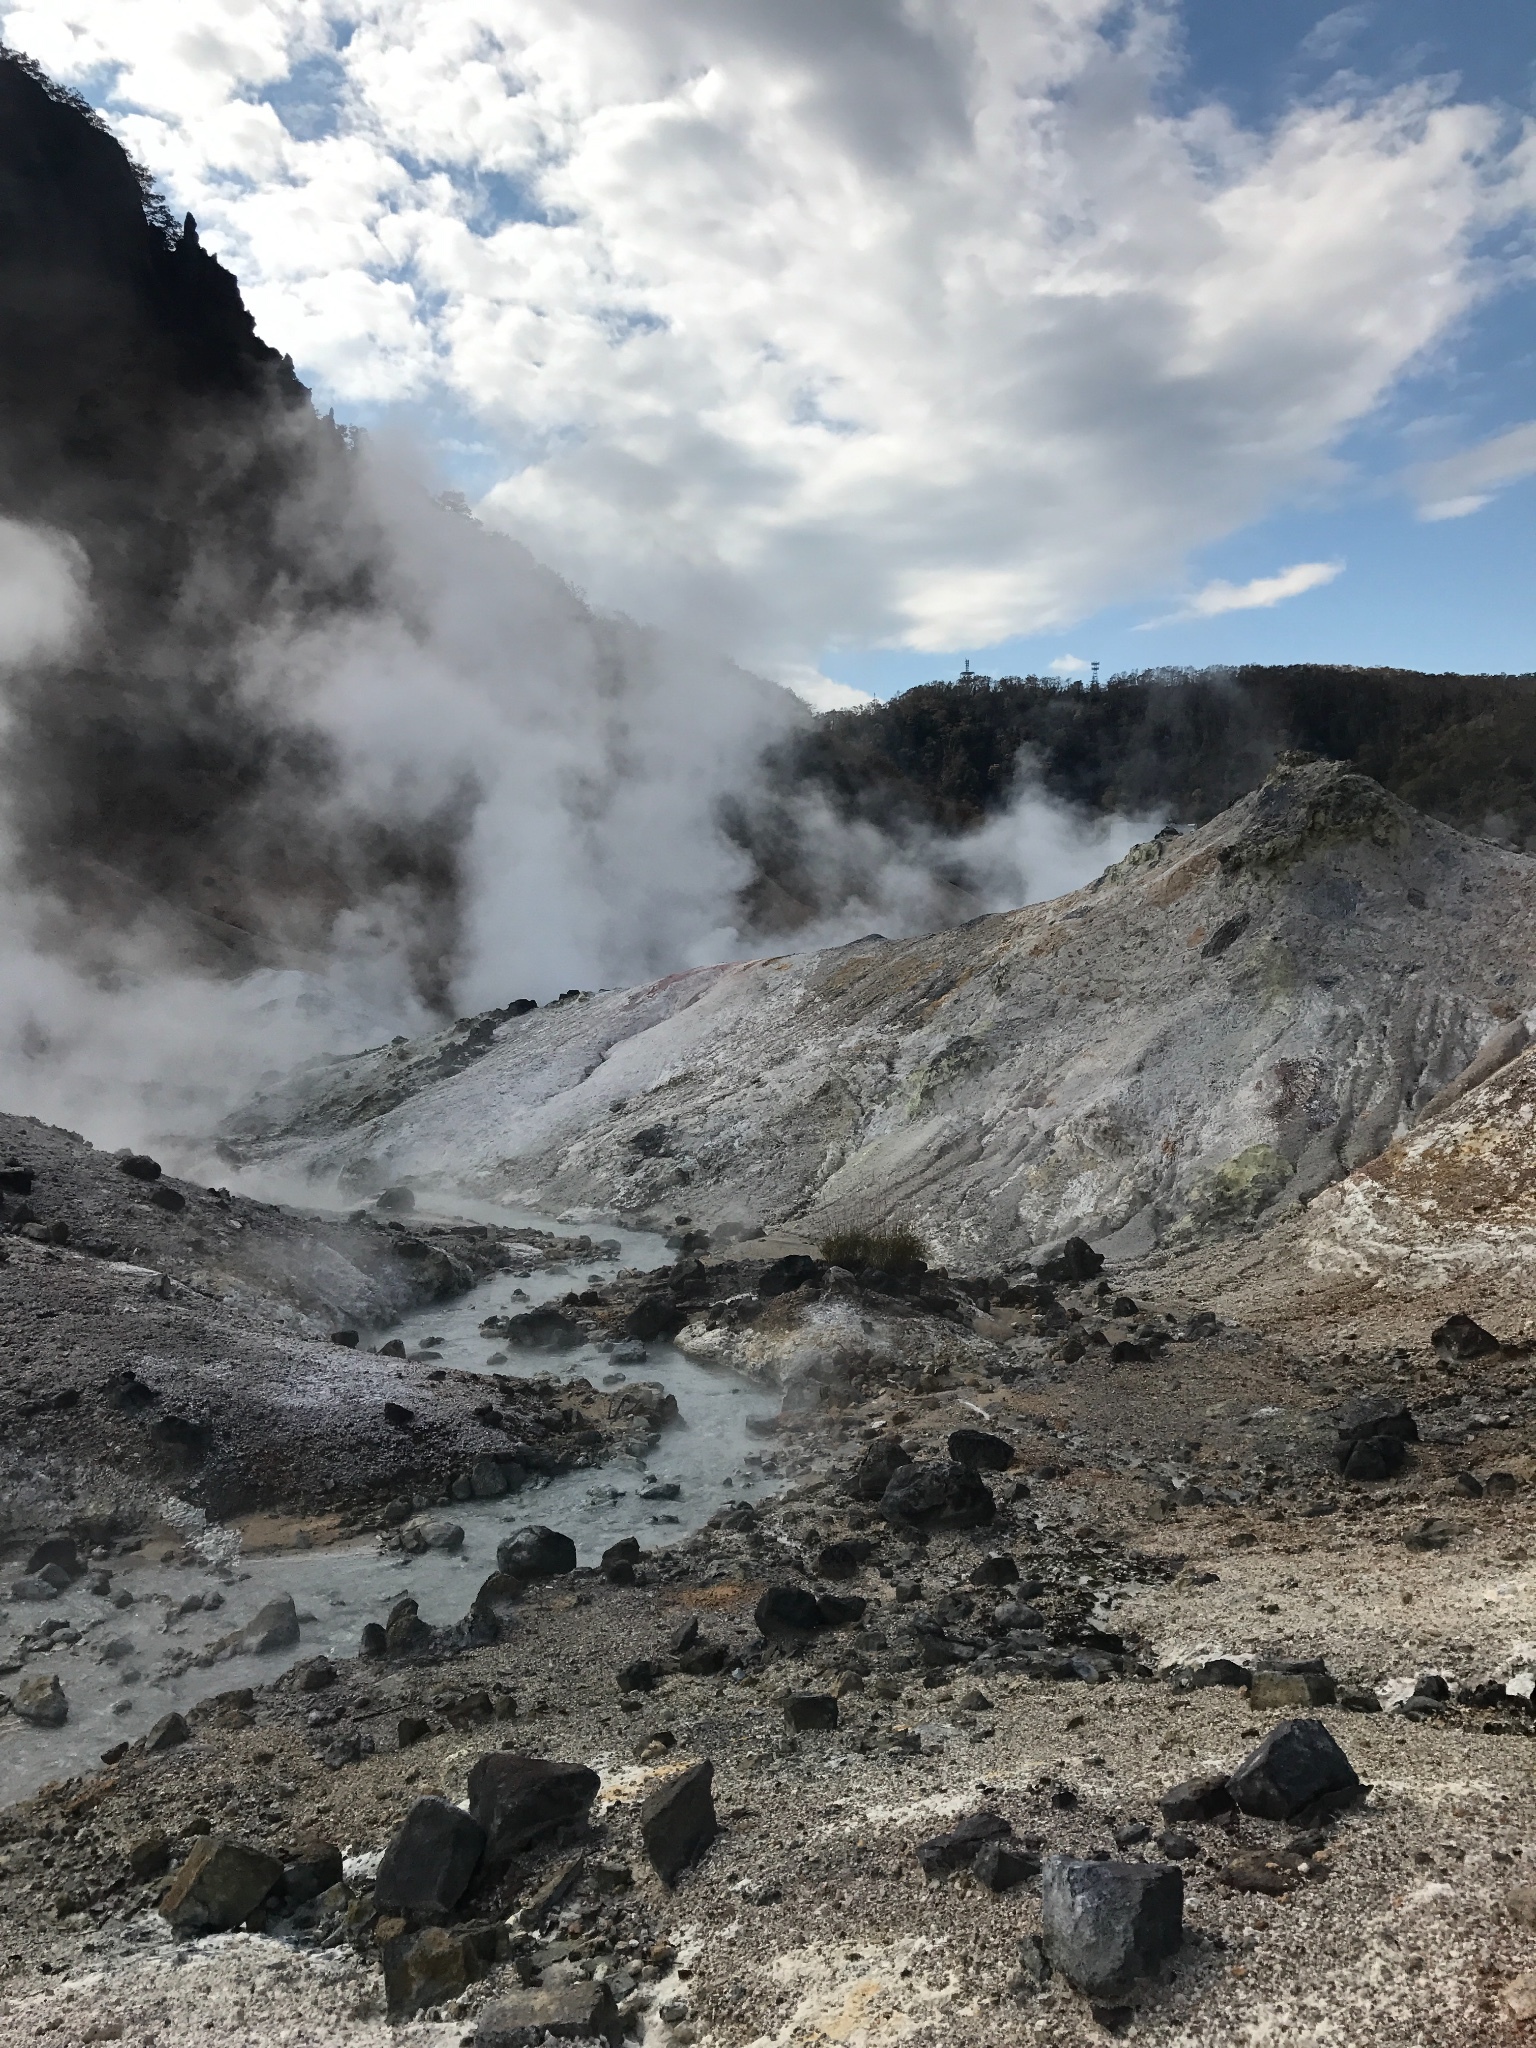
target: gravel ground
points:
(810, 1919)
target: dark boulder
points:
(565, 2012)
(996, 1570)
(786, 1274)
(785, 1612)
(222, 1883)
(1296, 1766)
(60, 1551)
(1070, 1264)
(1459, 1340)
(677, 1821)
(430, 1861)
(979, 1451)
(1220, 1671)
(956, 1849)
(519, 1800)
(536, 1553)
(1103, 1925)
(139, 1166)
(804, 1710)
(840, 1610)
(944, 1496)
(541, 1329)
(1372, 1458)
(876, 1468)
(1376, 1415)
(841, 1560)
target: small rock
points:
(519, 1800)
(405, 1633)
(996, 1570)
(1281, 1688)
(1220, 1671)
(1195, 1799)
(806, 1710)
(1106, 1924)
(1430, 1534)
(41, 1701)
(1272, 1872)
(1177, 1846)
(1520, 1905)
(33, 1588)
(397, 1415)
(1518, 1997)
(1376, 1415)
(437, 1532)
(980, 1451)
(1500, 1483)
(487, 1480)
(1297, 1765)
(222, 1883)
(565, 2012)
(1372, 1458)
(169, 1732)
(841, 1560)
(312, 1870)
(273, 1627)
(677, 1821)
(1001, 1864)
(1359, 1699)
(346, 1338)
(411, 1729)
(430, 1860)
(148, 1856)
(535, 1552)
(318, 1674)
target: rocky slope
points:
(1225, 1023)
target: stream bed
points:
(122, 1667)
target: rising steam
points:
(296, 756)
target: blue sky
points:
(1035, 332)
(1449, 594)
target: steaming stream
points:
(123, 1669)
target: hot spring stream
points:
(121, 1670)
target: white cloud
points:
(1459, 484)
(919, 324)
(821, 692)
(1069, 665)
(1220, 597)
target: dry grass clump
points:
(894, 1248)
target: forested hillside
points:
(1462, 748)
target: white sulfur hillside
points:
(1223, 1024)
